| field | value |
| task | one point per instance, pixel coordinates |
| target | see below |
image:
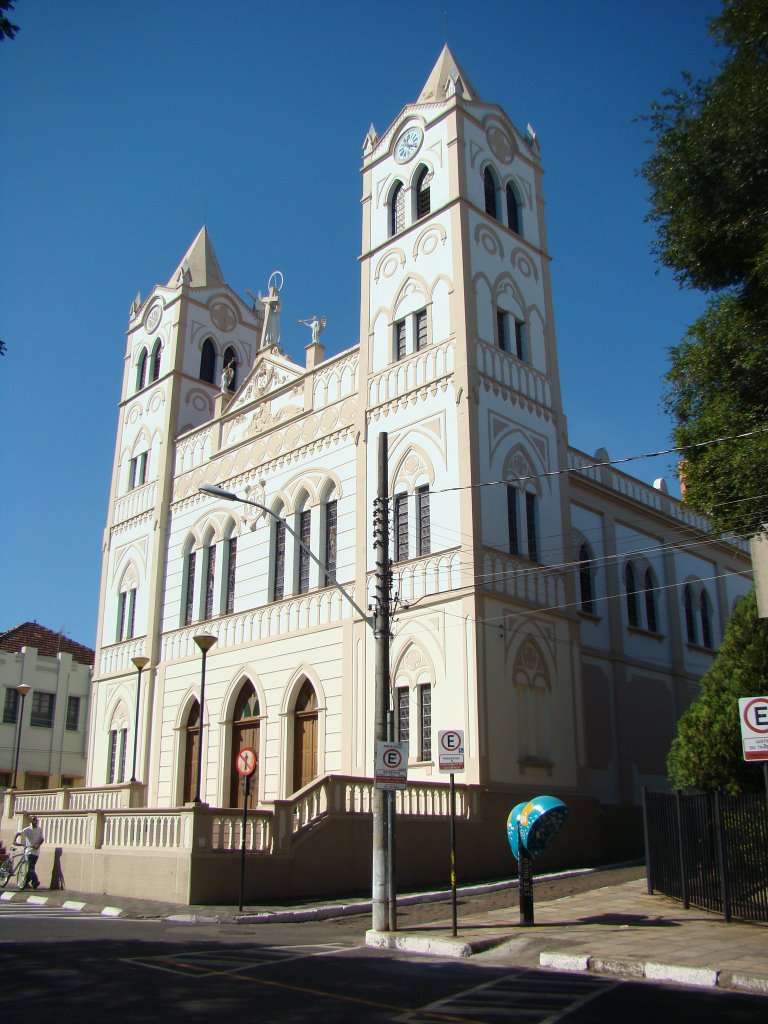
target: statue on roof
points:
(227, 375)
(316, 325)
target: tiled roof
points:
(48, 643)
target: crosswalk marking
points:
(201, 963)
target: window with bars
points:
(400, 346)
(512, 531)
(210, 576)
(73, 714)
(156, 359)
(11, 706)
(489, 189)
(502, 338)
(138, 471)
(520, 346)
(126, 614)
(401, 527)
(397, 209)
(278, 578)
(586, 581)
(630, 585)
(117, 753)
(421, 330)
(305, 532)
(425, 722)
(189, 597)
(690, 621)
(531, 527)
(331, 543)
(422, 515)
(403, 714)
(513, 210)
(141, 370)
(229, 602)
(43, 707)
(706, 620)
(422, 193)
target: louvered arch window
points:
(208, 362)
(422, 193)
(630, 584)
(397, 209)
(157, 353)
(141, 370)
(489, 185)
(513, 211)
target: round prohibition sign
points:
(451, 741)
(245, 762)
(760, 716)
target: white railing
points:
(228, 831)
(418, 370)
(117, 657)
(140, 499)
(155, 830)
(334, 381)
(521, 579)
(69, 829)
(432, 574)
(99, 798)
(499, 367)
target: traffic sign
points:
(245, 762)
(753, 714)
(450, 746)
(391, 765)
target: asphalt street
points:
(61, 965)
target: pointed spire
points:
(446, 79)
(199, 267)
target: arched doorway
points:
(305, 736)
(191, 754)
(245, 733)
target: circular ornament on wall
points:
(154, 316)
(502, 147)
(223, 316)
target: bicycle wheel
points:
(22, 875)
(5, 873)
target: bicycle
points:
(15, 864)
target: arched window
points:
(141, 370)
(397, 209)
(651, 618)
(305, 534)
(586, 581)
(208, 362)
(230, 359)
(245, 733)
(489, 185)
(630, 585)
(705, 609)
(305, 736)
(690, 620)
(513, 210)
(157, 352)
(278, 558)
(191, 754)
(331, 540)
(422, 193)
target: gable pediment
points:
(269, 374)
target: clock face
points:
(408, 144)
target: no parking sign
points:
(753, 715)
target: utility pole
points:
(381, 876)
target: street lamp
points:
(205, 642)
(140, 663)
(22, 689)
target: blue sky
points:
(126, 124)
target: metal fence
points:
(710, 850)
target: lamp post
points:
(205, 642)
(22, 689)
(140, 663)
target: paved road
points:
(62, 966)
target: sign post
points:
(245, 763)
(753, 715)
(450, 744)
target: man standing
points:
(33, 840)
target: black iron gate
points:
(709, 850)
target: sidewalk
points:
(617, 930)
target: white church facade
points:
(555, 609)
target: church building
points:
(555, 609)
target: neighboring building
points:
(560, 613)
(54, 730)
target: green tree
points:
(7, 29)
(707, 750)
(709, 202)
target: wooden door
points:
(245, 733)
(191, 754)
(305, 737)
